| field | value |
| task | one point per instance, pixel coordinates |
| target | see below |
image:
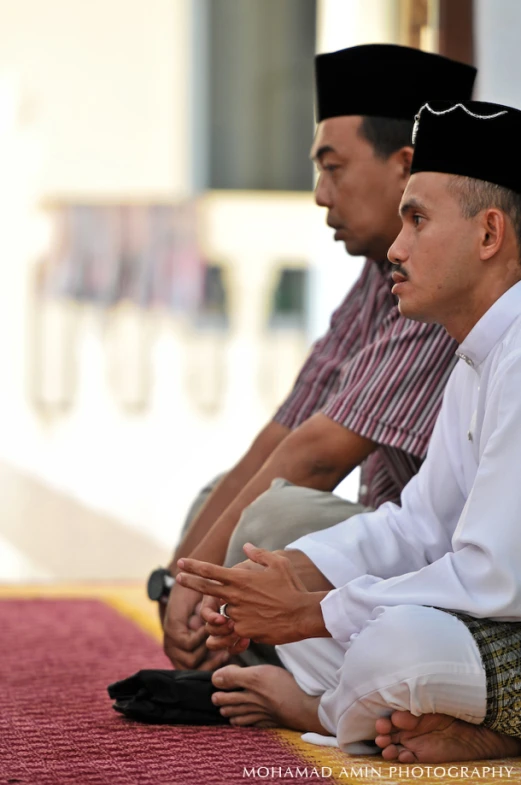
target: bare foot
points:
(269, 698)
(437, 738)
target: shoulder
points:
(505, 358)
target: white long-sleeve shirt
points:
(455, 542)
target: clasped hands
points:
(266, 600)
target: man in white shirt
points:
(404, 626)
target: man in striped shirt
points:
(371, 389)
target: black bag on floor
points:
(168, 696)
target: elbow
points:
(323, 465)
(501, 598)
(325, 451)
(305, 463)
(324, 462)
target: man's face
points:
(437, 252)
(360, 190)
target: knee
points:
(258, 518)
(396, 623)
(390, 642)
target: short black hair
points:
(386, 134)
(477, 195)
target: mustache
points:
(397, 268)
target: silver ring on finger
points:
(222, 610)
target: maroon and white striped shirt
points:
(380, 375)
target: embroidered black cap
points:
(386, 80)
(469, 138)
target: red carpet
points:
(57, 726)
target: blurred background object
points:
(163, 267)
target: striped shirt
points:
(380, 375)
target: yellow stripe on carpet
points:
(365, 770)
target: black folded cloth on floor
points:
(168, 696)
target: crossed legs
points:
(412, 680)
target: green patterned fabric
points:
(499, 644)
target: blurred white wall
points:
(497, 29)
(106, 85)
(94, 106)
(354, 22)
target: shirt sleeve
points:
(319, 374)
(391, 391)
(394, 540)
(441, 549)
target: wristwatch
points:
(159, 584)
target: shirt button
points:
(363, 489)
(466, 359)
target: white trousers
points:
(406, 657)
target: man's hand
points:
(184, 633)
(220, 630)
(221, 633)
(270, 605)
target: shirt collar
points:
(493, 324)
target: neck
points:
(461, 321)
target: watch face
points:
(156, 584)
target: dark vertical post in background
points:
(456, 34)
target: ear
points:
(403, 158)
(493, 228)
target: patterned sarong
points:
(499, 644)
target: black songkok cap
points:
(386, 80)
(471, 138)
